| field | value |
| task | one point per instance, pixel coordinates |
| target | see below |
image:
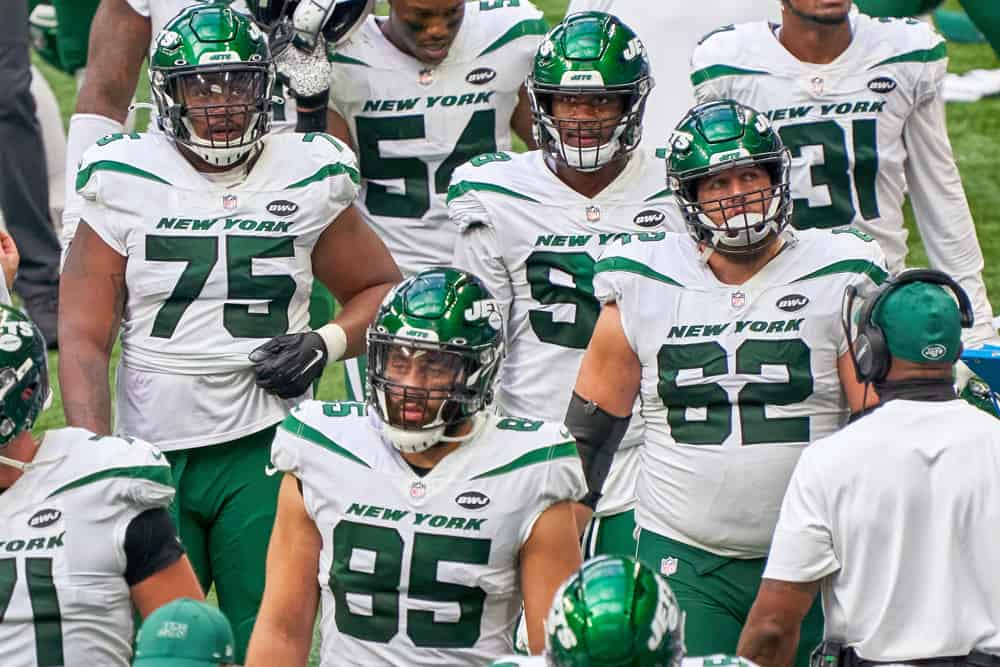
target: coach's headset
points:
(869, 348)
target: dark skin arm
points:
(610, 375)
(338, 127)
(92, 296)
(119, 40)
(354, 264)
(521, 121)
(771, 634)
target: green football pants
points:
(73, 33)
(716, 594)
(224, 510)
(612, 535)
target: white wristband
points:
(335, 339)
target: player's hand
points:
(10, 258)
(305, 72)
(286, 366)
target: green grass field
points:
(973, 128)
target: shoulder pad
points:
(497, 23)
(906, 36)
(131, 156)
(725, 45)
(499, 174)
(845, 250)
(333, 427)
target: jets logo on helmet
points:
(716, 137)
(614, 611)
(589, 56)
(434, 350)
(24, 374)
(211, 76)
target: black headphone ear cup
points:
(878, 352)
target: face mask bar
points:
(459, 399)
(616, 136)
(758, 211)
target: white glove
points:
(307, 74)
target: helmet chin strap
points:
(416, 441)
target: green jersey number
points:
(44, 606)
(835, 172)
(200, 254)
(580, 267)
(477, 137)
(377, 588)
(752, 400)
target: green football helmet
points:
(615, 612)
(434, 350)
(589, 53)
(211, 74)
(24, 374)
(713, 138)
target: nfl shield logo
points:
(426, 77)
(668, 566)
(417, 490)
(229, 202)
(817, 85)
(738, 299)
(593, 213)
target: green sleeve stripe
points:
(541, 455)
(159, 474)
(335, 57)
(919, 56)
(715, 71)
(626, 265)
(862, 266)
(666, 192)
(328, 171)
(522, 29)
(84, 174)
(462, 187)
(306, 432)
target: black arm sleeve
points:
(314, 120)
(151, 545)
(597, 435)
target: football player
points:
(202, 242)
(616, 611)
(857, 102)
(83, 523)
(670, 31)
(534, 224)
(732, 337)
(417, 94)
(425, 517)
(122, 37)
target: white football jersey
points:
(212, 273)
(421, 570)
(534, 241)
(63, 595)
(413, 124)
(863, 130)
(736, 379)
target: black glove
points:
(287, 365)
